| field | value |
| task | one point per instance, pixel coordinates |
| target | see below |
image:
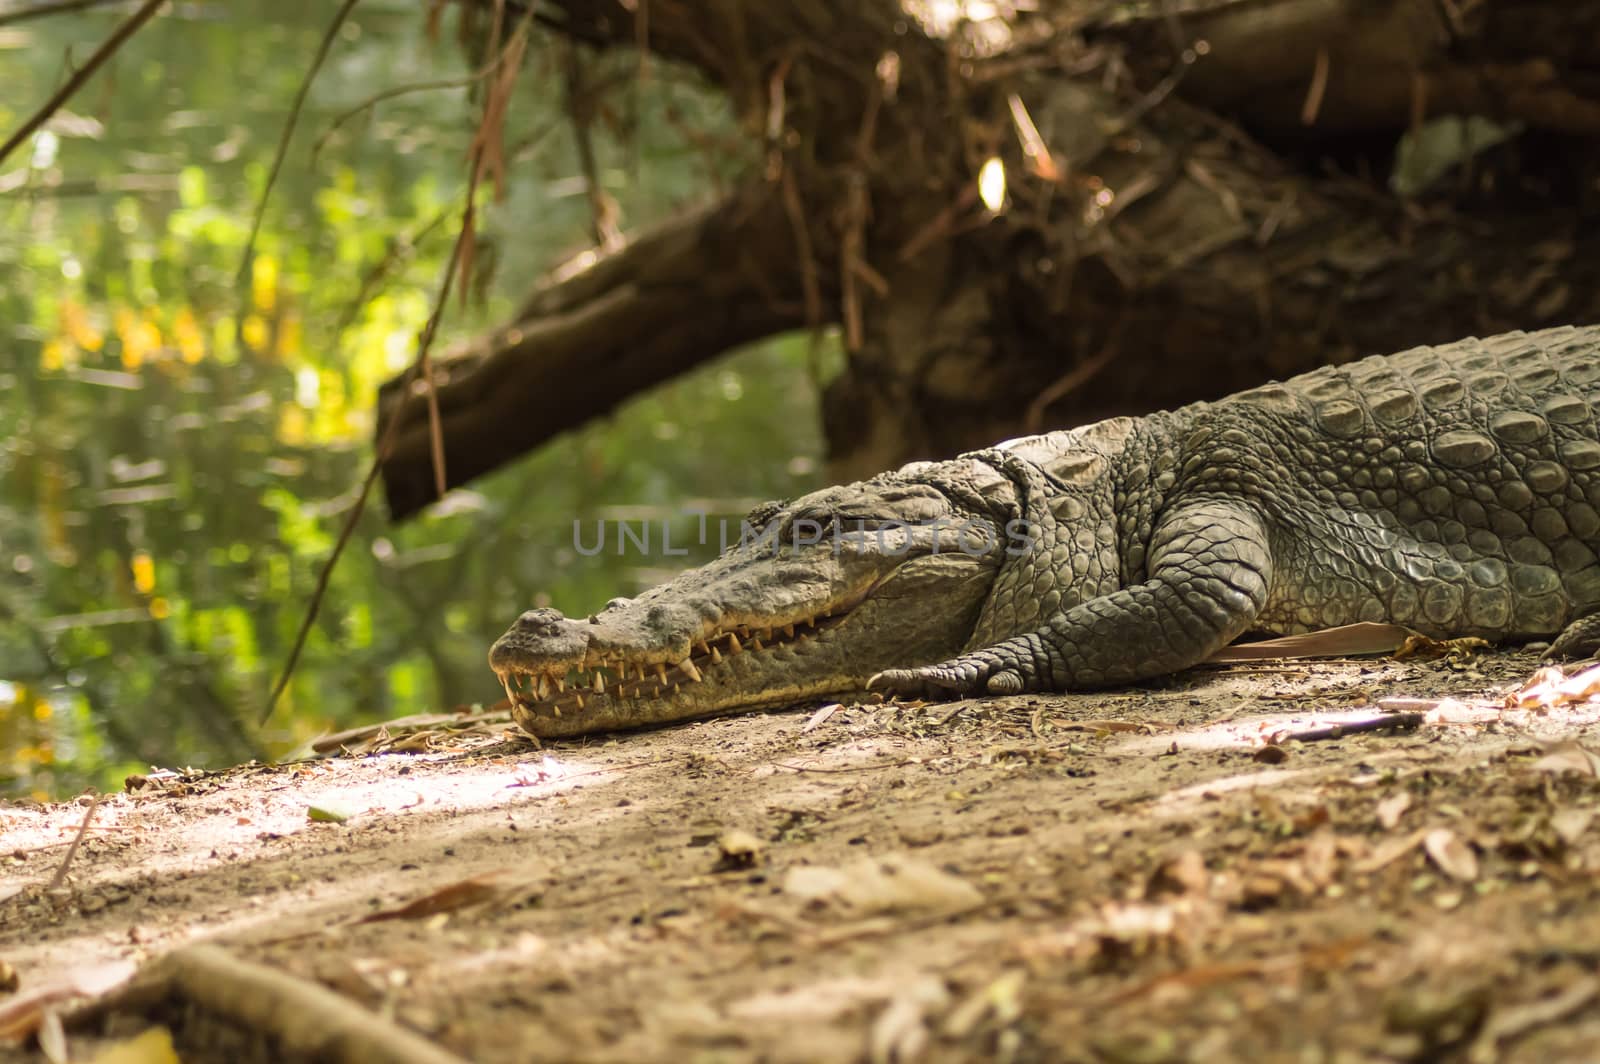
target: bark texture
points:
(1198, 200)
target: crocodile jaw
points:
(743, 632)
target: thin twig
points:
(58, 7)
(1387, 722)
(385, 444)
(402, 246)
(72, 851)
(82, 74)
(288, 129)
(421, 369)
(389, 94)
(1075, 377)
(839, 771)
(802, 241)
(602, 223)
(1319, 85)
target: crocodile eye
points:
(760, 515)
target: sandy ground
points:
(1136, 877)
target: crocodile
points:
(1452, 489)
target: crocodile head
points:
(818, 596)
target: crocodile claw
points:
(953, 679)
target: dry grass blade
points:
(72, 851)
(1350, 640)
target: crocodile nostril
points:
(536, 622)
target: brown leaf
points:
(900, 1033)
(1580, 686)
(1392, 808)
(1184, 874)
(463, 894)
(1570, 824)
(1453, 856)
(1390, 851)
(1321, 858)
(890, 883)
(1568, 757)
(1418, 647)
(1350, 640)
(1539, 691)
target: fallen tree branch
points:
(294, 1018)
(707, 281)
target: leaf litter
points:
(1024, 881)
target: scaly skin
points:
(1453, 489)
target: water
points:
(179, 445)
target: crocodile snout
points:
(539, 637)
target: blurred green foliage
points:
(179, 446)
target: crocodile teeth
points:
(561, 683)
(716, 655)
(541, 687)
(578, 698)
(733, 644)
(661, 672)
(755, 641)
(506, 683)
(788, 631)
(599, 683)
(700, 646)
(689, 670)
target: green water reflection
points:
(178, 448)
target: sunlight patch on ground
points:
(242, 821)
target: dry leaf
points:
(490, 886)
(894, 882)
(900, 1033)
(1350, 640)
(1568, 757)
(1184, 874)
(1580, 686)
(1390, 851)
(1453, 856)
(1570, 824)
(1392, 808)
(1418, 647)
(822, 714)
(1320, 861)
(1539, 691)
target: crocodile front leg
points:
(1210, 570)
